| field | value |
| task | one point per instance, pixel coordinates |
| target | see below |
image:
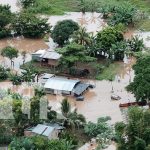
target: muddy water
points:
(24, 44)
(21, 44)
(93, 22)
(97, 101)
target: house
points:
(50, 131)
(50, 58)
(44, 77)
(47, 57)
(62, 85)
(37, 54)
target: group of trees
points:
(71, 120)
(29, 25)
(42, 143)
(124, 13)
(72, 54)
(23, 23)
(80, 45)
(5, 19)
(141, 83)
(135, 134)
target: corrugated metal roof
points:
(40, 52)
(51, 55)
(62, 84)
(80, 88)
(46, 76)
(43, 130)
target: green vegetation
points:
(109, 72)
(135, 134)
(101, 130)
(29, 25)
(10, 52)
(63, 30)
(55, 7)
(141, 83)
(5, 19)
(73, 53)
(27, 3)
(4, 73)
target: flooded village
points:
(97, 98)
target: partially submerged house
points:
(50, 131)
(37, 55)
(44, 77)
(60, 85)
(50, 58)
(47, 57)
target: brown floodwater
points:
(24, 44)
(97, 102)
(21, 44)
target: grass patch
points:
(41, 69)
(54, 7)
(143, 5)
(143, 25)
(109, 72)
(59, 7)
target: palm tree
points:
(81, 37)
(65, 107)
(72, 119)
(83, 6)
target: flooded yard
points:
(97, 102)
(93, 22)
(24, 44)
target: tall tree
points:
(81, 36)
(63, 30)
(73, 53)
(141, 83)
(107, 37)
(31, 26)
(134, 135)
(72, 119)
(65, 107)
(5, 19)
(10, 52)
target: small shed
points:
(37, 54)
(50, 58)
(49, 131)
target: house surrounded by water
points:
(47, 57)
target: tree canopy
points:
(141, 83)
(27, 3)
(134, 135)
(73, 53)
(63, 30)
(5, 19)
(29, 25)
(9, 52)
(108, 37)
